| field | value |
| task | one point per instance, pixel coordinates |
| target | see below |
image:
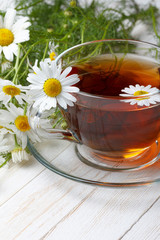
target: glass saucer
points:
(60, 157)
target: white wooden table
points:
(37, 204)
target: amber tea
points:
(106, 121)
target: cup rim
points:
(110, 40)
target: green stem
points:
(15, 80)
(45, 51)
(113, 10)
(5, 77)
(31, 5)
(154, 23)
(73, 28)
(82, 33)
(29, 50)
(106, 28)
(57, 122)
(15, 139)
(7, 160)
(25, 108)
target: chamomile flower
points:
(19, 154)
(41, 123)
(150, 95)
(52, 53)
(8, 90)
(12, 33)
(50, 86)
(16, 121)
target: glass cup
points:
(115, 121)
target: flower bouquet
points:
(32, 34)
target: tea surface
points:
(106, 75)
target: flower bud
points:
(64, 125)
(67, 13)
(73, 3)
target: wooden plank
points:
(18, 175)
(52, 207)
(42, 199)
(105, 215)
(147, 227)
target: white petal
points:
(68, 96)
(156, 98)
(70, 103)
(38, 102)
(154, 90)
(137, 87)
(125, 95)
(42, 76)
(21, 36)
(70, 89)
(2, 94)
(6, 99)
(61, 102)
(54, 67)
(33, 136)
(133, 102)
(1, 22)
(36, 87)
(14, 110)
(132, 87)
(141, 88)
(147, 88)
(46, 69)
(19, 99)
(8, 54)
(9, 18)
(14, 48)
(6, 82)
(152, 101)
(52, 102)
(146, 103)
(71, 80)
(47, 105)
(24, 141)
(140, 103)
(66, 72)
(21, 24)
(126, 101)
(56, 72)
(128, 91)
(33, 78)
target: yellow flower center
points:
(11, 90)
(6, 37)
(52, 87)
(141, 92)
(52, 56)
(22, 123)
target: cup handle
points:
(35, 117)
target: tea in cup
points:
(116, 118)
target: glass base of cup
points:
(115, 161)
